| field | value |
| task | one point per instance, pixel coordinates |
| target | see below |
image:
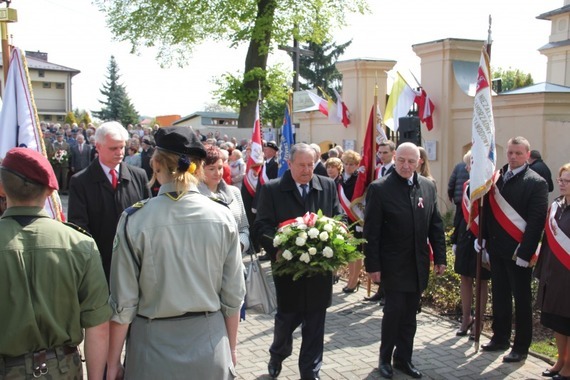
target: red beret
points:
(31, 165)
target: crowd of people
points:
(154, 212)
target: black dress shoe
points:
(493, 346)
(274, 367)
(408, 368)
(264, 257)
(375, 298)
(386, 370)
(514, 357)
(549, 373)
(560, 377)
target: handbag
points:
(258, 290)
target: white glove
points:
(454, 248)
(521, 263)
(478, 247)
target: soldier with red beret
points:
(52, 284)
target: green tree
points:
(175, 27)
(512, 78)
(230, 90)
(117, 104)
(320, 69)
(82, 116)
(70, 118)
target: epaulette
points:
(77, 228)
(136, 207)
(220, 201)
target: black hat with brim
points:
(179, 140)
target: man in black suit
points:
(304, 301)
(271, 166)
(319, 167)
(401, 214)
(80, 155)
(515, 214)
(99, 194)
(535, 163)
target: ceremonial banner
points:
(286, 142)
(425, 109)
(366, 167)
(255, 158)
(483, 154)
(19, 122)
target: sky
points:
(74, 34)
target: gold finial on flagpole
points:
(6, 15)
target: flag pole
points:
(6, 15)
(478, 310)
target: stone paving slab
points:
(352, 341)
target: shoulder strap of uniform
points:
(130, 211)
(77, 228)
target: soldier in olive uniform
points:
(52, 284)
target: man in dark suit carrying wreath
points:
(303, 301)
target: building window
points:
(47, 117)
(60, 86)
(60, 118)
(42, 74)
(46, 85)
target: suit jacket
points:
(398, 220)
(96, 207)
(271, 168)
(320, 169)
(540, 167)
(280, 200)
(527, 193)
(80, 160)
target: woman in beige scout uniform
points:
(176, 275)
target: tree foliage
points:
(175, 27)
(117, 104)
(512, 78)
(82, 116)
(320, 69)
(70, 118)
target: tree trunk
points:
(257, 54)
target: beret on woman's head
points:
(179, 140)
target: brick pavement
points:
(352, 337)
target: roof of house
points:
(221, 115)
(548, 15)
(40, 64)
(538, 88)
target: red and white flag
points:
(342, 114)
(19, 122)
(425, 109)
(318, 101)
(255, 158)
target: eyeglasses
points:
(562, 181)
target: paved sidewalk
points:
(352, 339)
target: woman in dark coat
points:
(553, 272)
(466, 260)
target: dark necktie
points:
(114, 181)
(383, 171)
(508, 175)
(304, 191)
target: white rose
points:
(303, 235)
(287, 255)
(324, 236)
(343, 230)
(328, 227)
(302, 226)
(300, 241)
(339, 237)
(277, 241)
(305, 257)
(313, 233)
(287, 230)
(312, 251)
(328, 252)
